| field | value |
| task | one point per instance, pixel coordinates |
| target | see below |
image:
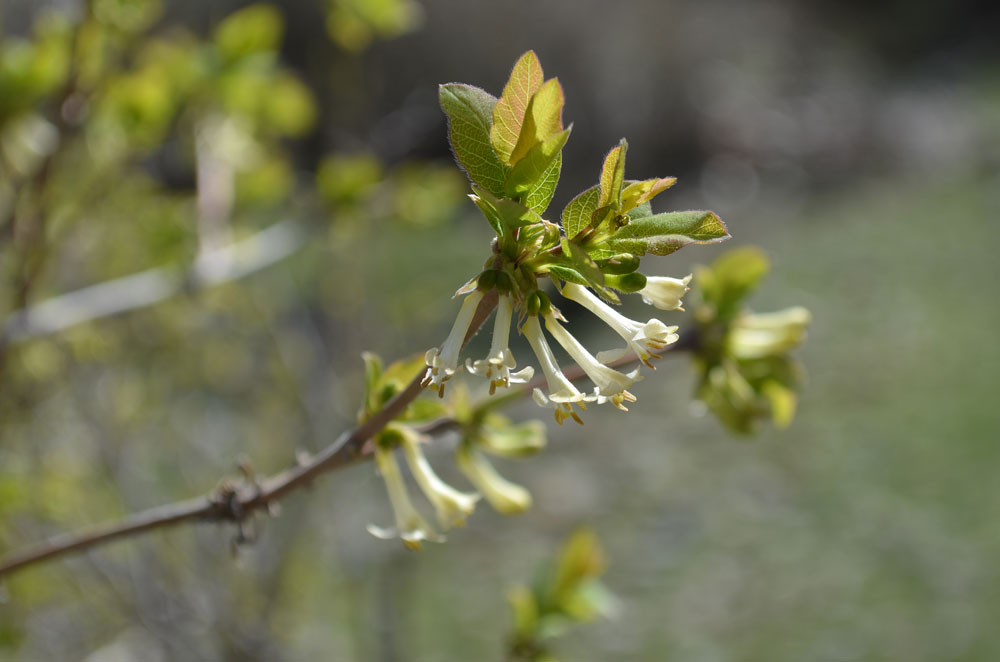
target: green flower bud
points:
(487, 280)
(625, 263)
(632, 282)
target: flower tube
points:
(643, 339)
(441, 365)
(759, 335)
(498, 365)
(411, 527)
(451, 505)
(506, 497)
(610, 383)
(561, 392)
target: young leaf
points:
(613, 176)
(542, 119)
(576, 215)
(508, 114)
(538, 198)
(663, 234)
(637, 193)
(530, 170)
(575, 258)
(568, 274)
(470, 117)
(504, 215)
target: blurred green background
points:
(859, 145)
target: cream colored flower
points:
(561, 392)
(646, 340)
(411, 527)
(498, 365)
(760, 335)
(506, 497)
(609, 382)
(664, 292)
(441, 365)
(450, 505)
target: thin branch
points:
(148, 287)
(235, 501)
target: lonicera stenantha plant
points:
(510, 148)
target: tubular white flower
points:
(664, 292)
(562, 394)
(450, 505)
(609, 381)
(760, 335)
(643, 339)
(498, 365)
(441, 365)
(411, 527)
(506, 497)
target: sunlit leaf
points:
(576, 215)
(529, 171)
(508, 114)
(470, 117)
(663, 234)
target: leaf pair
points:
(511, 147)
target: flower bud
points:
(632, 282)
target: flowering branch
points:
(236, 501)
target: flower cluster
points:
(450, 505)
(511, 150)
(645, 340)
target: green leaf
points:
(531, 170)
(612, 177)
(542, 119)
(568, 274)
(508, 114)
(573, 265)
(525, 608)
(373, 375)
(498, 436)
(253, 29)
(637, 193)
(504, 215)
(539, 197)
(663, 234)
(470, 117)
(576, 215)
(580, 560)
(732, 276)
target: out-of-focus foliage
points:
(353, 24)
(746, 371)
(566, 591)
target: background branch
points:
(146, 288)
